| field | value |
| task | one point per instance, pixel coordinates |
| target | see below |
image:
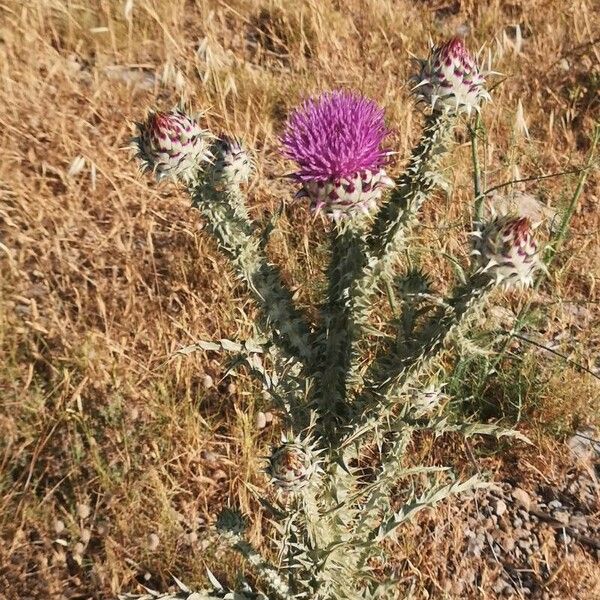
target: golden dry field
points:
(116, 452)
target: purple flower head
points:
(335, 135)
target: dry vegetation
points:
(113, 453)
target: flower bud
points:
(450, 80)
(508, 251)
(232, 163)
(171, 144)
(291, 465)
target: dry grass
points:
(104, 274)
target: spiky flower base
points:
(348, 196)
(172, 144)
(449, 79)
(507, 251)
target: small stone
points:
(102, 529)
(508, 544)
(499, 585)
(564, 65)
(500, 507)
(524, 544)
(554, 504)
(269, 417)
(192, 537)
(521, 534)
(518, 523)
(153, 542)
(86, 535)
(562, 516)
(208, 456)
(583, 444)
(458, 587)
(522, 498)
(59, 526)
(207, 382)
(78, 549)
(260, 421)
(579, 521)
(231, 389)
(84, 510)
(563, 537)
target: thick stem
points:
(347, 259)
(387, 238)
(226, 218)
(395, 370)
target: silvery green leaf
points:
(230, 345)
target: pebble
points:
(153, 542)
(524, 544)
(500, 507)
(78, 549)
(59, 526)
(269, 417)
(208, 456)
(562, 516)
(579, 521)
(192, 537)
(84, 510)
(554, 504)
(86, 535)
(260, 421)
(207, 382)
(518, 523)
(563, 537)
(508, 544)
(522, 498)
(521, 534)
(219, 474)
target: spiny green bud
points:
(508, 251)
(292, 464)
(232, 163)
(172, 144)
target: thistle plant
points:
(339, 393)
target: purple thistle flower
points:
(336, 139)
